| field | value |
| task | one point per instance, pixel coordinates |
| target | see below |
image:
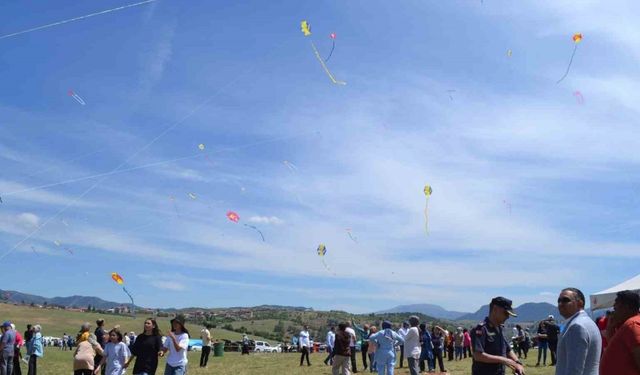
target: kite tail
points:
(324, 66)
(569, 66)
(133, 304)
(331, 52)
(426, 217)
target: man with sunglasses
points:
(579, 345)
(491, 351)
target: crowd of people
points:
(610, 346)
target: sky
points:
(535, 187)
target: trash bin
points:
(218, 349)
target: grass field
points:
(58, 362)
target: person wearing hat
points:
(491, 351)
(7, 345)
(553, 330)
(176, 343)
(385, 341)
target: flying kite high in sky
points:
(322, 250)
(577, 38)
(333, 46)
(579, 97)
(120, 281)
(76, 97)
(354, 239)
(427, 193)
(290, 165)
(193, 196)
(306, 30)
(233, 216)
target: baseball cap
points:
(6, 324)
(505, 303)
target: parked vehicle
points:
(263, 346)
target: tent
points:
(605, 298)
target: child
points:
(176, 343)
(116, 354)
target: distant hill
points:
(73, 301)
(527, 312)
(427, 309)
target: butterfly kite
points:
(306, 30)
(577, 38)
(427, 193)
(120, 281)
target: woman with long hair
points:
(147, 348)
(176, 343)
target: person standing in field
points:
(331, 339)
(412, 346)
(458, 339)
(7, 351)
(466, 343)
(17, 355)
(352, 347)
(101, 338)
(176, 343)
(146, 349)
(35, 348)
(385, 341)
(305, 344)
(342, 351)
(87, 349)
(371, 349)
(205, 336)
(622, 356)
(553, 330)
(543, 344)
(403, 333)
(116, 354)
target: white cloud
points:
(29, 219)
(168, 285)
(266, 220)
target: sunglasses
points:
(564, 300)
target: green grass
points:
(58, 362)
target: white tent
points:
(607, 297)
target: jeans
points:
(178, 370)
(32, 365)
(354, 369)
(340, 365)
(329, 359)
(204, 356)
(465, 350)
(553, 346)
(459, 352)
(305, 353)
(413, 366)
(542, 352)
(372, 362)
(6, 365)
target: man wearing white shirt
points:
(304, 344)
(331, 339)
(412, 345)
(352, 346)
(205, 336)
(403, 333)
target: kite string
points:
(324, 66)
(569, 66)
(76, 19)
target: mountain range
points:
(427, 309)
(72, 301)
(527, 312)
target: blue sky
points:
(161, 78)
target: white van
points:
(263, 346)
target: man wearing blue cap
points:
(7, 349)
(491, 351)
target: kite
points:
(579, 97)
(233, 216)
(120, 281)
(57, 243)
(322, 250)
(354, 239)
(173, 200)
(69, 250)
(509, 53)
(508, 204)
(201, 146)
(290, 165)
(306, 29)
(193, 196)
(333, 46)
(75, 19)
(256, 229)
(76, 97)
(34, 250)
(450, 91)
(577, 38)
(427, 193)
